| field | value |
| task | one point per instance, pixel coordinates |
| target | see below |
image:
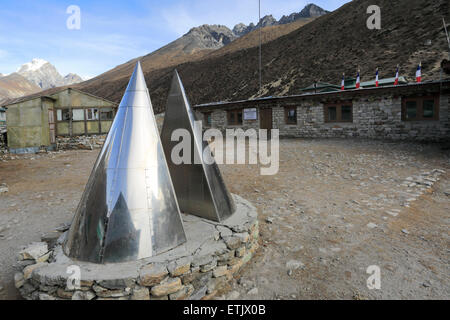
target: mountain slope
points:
(321, 50)
(195, 45)
(15, 85)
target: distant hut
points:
(33, 122)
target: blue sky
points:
(114, 32)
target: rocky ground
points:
(335, 208)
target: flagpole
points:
(448, 39)
(260, 50)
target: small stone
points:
(64, 294)
(179, 267)
(189, 277)
(183, 294)
(28, 271)
(427, 284)
(234, 295)
(152, 274)
(80, 295)
(253, 292)
(33, 251)
(117, 284)
(244, 237)
(392, 213)
(224, 232)
(405, 231)
(51, 238)
(3, 188)
(64, 227)
(140, 294)
(105, 293)
(45, 297)
(269, 220)
(164, 298)
(19, 280)
(202, 260)
(294, 265)
(208, 267)
(232, 242)
(167, 287)
(372, 225)
(241, 252)
(44, 258)
(220, 272)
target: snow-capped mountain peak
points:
(34, 65)
(44, 74)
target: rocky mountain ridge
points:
(32, 77)
(43, 74)
(310, 11)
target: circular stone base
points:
(213, 253)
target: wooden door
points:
(52, 126)
(265, 116)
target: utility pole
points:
(446, 34)
(260, 50)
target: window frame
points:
(205, 117)
(420, 103)
(236, 113)
(286, 116)
(338, 106)
(95, 115)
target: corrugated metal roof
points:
(47, 94)
(319, 94)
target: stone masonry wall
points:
(373, 117)
(214, 253)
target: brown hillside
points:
(181, 51)
(320, 50)
(252, 39)
(15, 85)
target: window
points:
(339, 112)
(78, 115)
(92, 114)
(291, 115)
(208, 119)
(63, 115)
(420, 108)
(235, 117)
(106, 114)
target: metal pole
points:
(446, 34)
(260, 51)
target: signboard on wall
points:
(250, 114)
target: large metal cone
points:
(129, 209)
(200, 188)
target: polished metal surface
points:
(129, 209)
(200, 188)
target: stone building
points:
(33, 122)
(404, 112)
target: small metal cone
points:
(129, 210)
(200, 188)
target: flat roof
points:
(324, 94)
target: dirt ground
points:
(335, 208)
